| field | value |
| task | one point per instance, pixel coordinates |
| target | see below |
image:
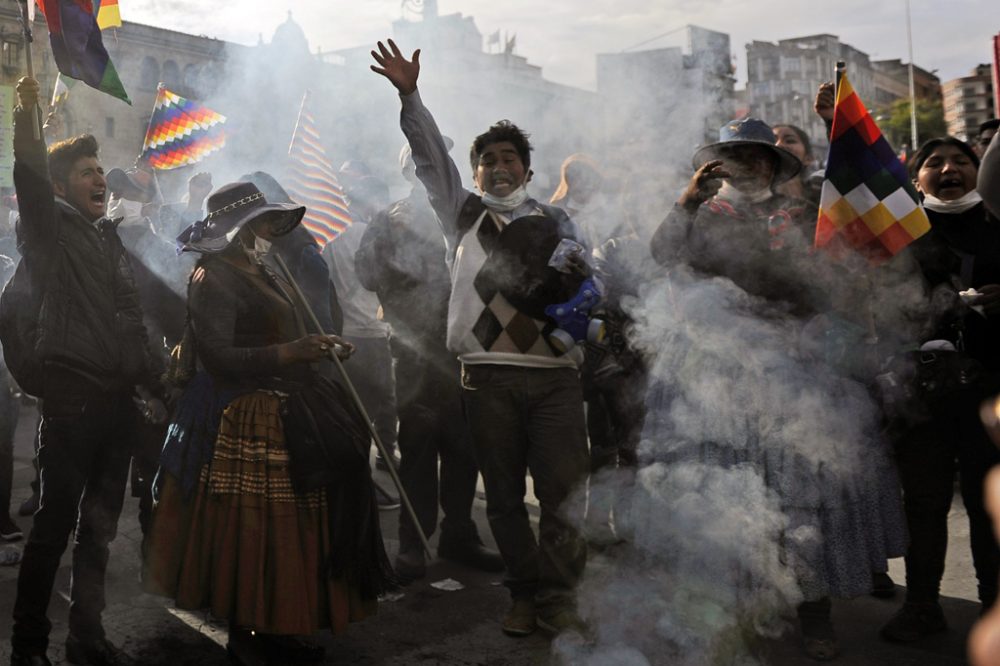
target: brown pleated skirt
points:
(245, 545)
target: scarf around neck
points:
(507, 203)
(955, 206)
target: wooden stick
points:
(361, 408)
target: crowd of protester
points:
(200, 341)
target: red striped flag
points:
(313, 182)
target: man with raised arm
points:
(522, 397)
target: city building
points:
(143, 55)
(969, 102)
(662, 103)
(783, 77)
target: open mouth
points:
(97, 197)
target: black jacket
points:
(90, 321)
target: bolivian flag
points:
(867, 201)
(77, 46)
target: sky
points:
(563, 36)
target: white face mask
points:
(955, 206)
(260, 248)
(507, 203)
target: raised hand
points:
(401, 72)
(704, 185)
(27, 92)
(825, 101)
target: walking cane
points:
(357, 403)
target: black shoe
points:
(472, 554)
(914, 621)
(21, 659)
(9, 531)
(290, 648)
(29, 506)
(409, 566)
(98, 652)
(883, 587)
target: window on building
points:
(171, 73)
(109, 127)
(149, 76)
(11, 54)
(192, 77)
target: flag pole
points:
(359, 405)
(913, 97)
(298, 120)
(36, 126)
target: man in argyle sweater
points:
(522, 399)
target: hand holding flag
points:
(867, 201)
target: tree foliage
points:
(894, 120)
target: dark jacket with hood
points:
(90, 322)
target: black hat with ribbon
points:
(230, 208)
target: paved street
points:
(428, 626)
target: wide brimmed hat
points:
(231, 207)
(134, 184)
(749, 132)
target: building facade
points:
(969, 102)
(783, 77)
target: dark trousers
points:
(370, 370)
(927, 454)
(432, 425)
(525, 419)
(84, 458)
(616, 411)
(9, 411)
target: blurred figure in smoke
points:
(523, 399)
(614, 383)
(958, 366)
(402, 259)
(159, 278)
(371, 372)
(804, 186)
(275, 527)
(730, 222)
(300, 251)
(90, 348)
(985, 135)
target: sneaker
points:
(22, 659)
(555, 622)
(520, 619)
(409, 566)
(382, 465)
(29, 506)
(9, 531)
(914, 621)
(100, 652)
(472, 554)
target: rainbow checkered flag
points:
(868, 202)
(181, 132)
(312, 181)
